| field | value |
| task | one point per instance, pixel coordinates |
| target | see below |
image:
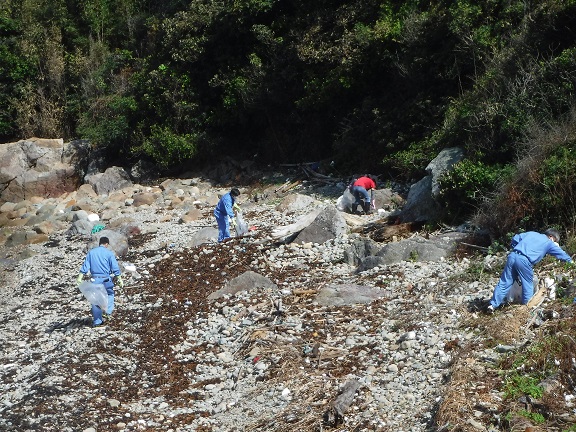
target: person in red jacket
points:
(360, 189)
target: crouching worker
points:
(527, 250)
(101, 263)
(224, 213)
(360, 189)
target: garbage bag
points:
(515, 293)
(241, 226)
(95, 294)
(345, 201)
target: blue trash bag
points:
(95, 294)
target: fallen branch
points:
(482, 248)
(287, 186)
(334, 416)
(304, 292)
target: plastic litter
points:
(95, 294)
(345, 201)
(241, 226)
(515, 293)
(97, 228)
(129, 267)
(550, 285)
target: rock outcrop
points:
(38, 167)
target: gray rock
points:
(203, 236)
(421, 204)
(113, 179)
(361, 248)
(118, 241)
(35, 167)
(248, 281)
(414, 249)
(347, 294)
(329, 224)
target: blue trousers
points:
(96, 310)
(223, 227)
(360, 194)
(517, 267)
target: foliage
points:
(465, 187)
(541, 191)
(165, 147)
(14, 71)
(517, 385)
(534, 416)
(372, 85)
(107, 123)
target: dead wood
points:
(334, 416)
(383, 231)
(287, 186)
(304, 292)
(315, 176)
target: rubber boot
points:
(367, 209)
(354, 208)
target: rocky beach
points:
(290, 327)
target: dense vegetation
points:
(376, 85)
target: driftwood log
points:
(383, 231)
(334, 415)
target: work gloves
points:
(236, 207)
(120, 281)
(233, 222)
(80, 278)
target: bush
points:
(107, 123)
(166, 147)
(542, 190)
(463, 189)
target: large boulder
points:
(327, 225)
(118, 241)
(203, 236)
(418, 248)
(37, 167)
(113, 179)
(421, 204)
(295, 202)
(286, 233)
(361, 248)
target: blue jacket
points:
(100, 261)
(224, 206)
(535, 246)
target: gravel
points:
(263, 359)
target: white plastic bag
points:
(515, 293)
(95, 294)
(345, 201)
(241, 226)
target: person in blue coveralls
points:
(101, 263)
(224, 213)
(527, 250)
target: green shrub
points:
(107, 123)
(554, 194)
(517, 385)
(166, 147)
(464, 187)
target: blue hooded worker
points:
(101, 263)
(224, 213)
(527, 250)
